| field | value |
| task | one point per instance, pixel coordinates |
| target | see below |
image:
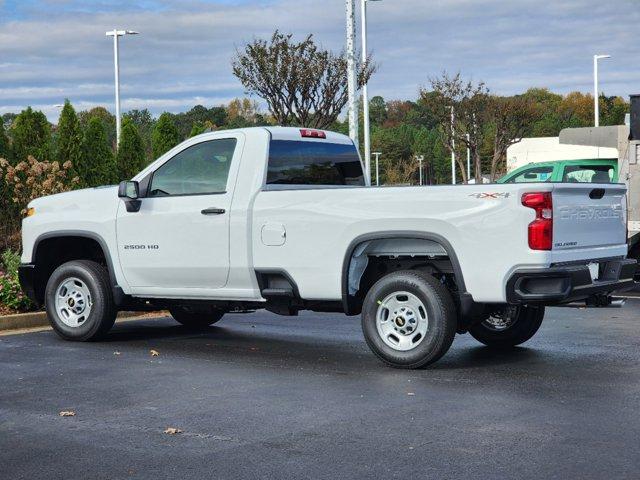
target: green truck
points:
(597, 170)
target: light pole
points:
(115, 33)
(468, 160)
(420, 160)
(377, 154)
(453, 148)
(596, 104)
(351, 72)
(365, 93)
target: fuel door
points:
(273, 234)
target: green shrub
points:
(11, 296)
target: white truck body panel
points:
(308, 231)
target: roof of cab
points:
(294, 133)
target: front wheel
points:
(196, 317)
(79, 301)
(509, 326)
(408, 319)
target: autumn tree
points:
(69, 136)
(302, 83)
(31, 134)
(130, 158)
(165, 135)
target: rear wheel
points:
(194, 317)
(408, 319)
(508, 327)
(79, 301)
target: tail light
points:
(541, 229)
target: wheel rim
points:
(502, 320)
(73, 302)
(402, 321)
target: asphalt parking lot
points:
(262, 396)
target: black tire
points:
(440, 312)
(524, 323)
(196, 317)
(102, 313)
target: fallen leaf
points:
(67, 413)
(172, 431)
(154, 353)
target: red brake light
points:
(541, 229)
(309, 133)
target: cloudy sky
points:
(56, 49)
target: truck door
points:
(179, 239)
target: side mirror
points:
(129, 190)
(130, 193)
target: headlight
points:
(31, 211)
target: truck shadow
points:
(228, 342)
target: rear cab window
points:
(588, 174)
(314, 163)
(533, 175)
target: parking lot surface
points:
(262, 396)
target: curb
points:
(39, 319)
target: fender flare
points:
(465, 298)
(83, 234)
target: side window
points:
(198, 170)
(588, 174)
(533, 175)
(313, 163)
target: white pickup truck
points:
(283, 219)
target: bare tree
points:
(480, 118)
(302, 83)
(469, 102)
(512, 119)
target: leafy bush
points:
(22, 183)
(11, 296)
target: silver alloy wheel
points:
(73, 302)
(502, 320)
(402, 321)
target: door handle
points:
(213, 211)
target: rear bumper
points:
(26, 276)
(568, 283)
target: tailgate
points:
(589, 215)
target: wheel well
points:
(52, 252)
(370, 260)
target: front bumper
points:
(27, 276)
(569, 283)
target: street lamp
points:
(420, 160)
(365, 94)
(453, 147)
(377, 154)
(351, 72)
(595, 88)
(115, 33)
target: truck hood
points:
(87, 198)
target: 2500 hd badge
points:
(141, 247)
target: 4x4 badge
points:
(490, 195)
